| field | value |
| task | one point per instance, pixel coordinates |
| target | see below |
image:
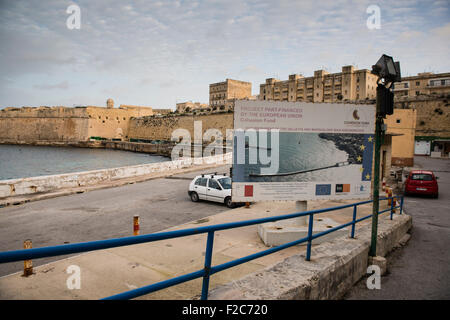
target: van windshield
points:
(225, 182)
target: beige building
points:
(402, 127)
(221, 93)
(424, 84)
(161, 111)
(348, 85)
(190, 106)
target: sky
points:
(158, 53)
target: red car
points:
(422, 182)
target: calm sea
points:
(303, 151)
(30, 161)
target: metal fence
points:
(208, 270)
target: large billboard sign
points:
(302, 151)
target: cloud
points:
(145, 49)
(64, 85)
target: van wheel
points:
(194, 197)
(228, 202)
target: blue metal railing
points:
(208, 270)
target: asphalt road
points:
(101, 214)
(421, 269)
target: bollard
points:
(27, 264)
(384, 184)
(389, 195)
(247, 205)
(136, 225)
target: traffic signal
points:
(385, 101)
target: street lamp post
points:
(388, 71)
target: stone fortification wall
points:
(433, 114)
(61, 124)
(161, 128)
(52, 124)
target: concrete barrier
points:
(42, 184)
(334, 268)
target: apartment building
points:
(348, 85)
(221, 93)
(424, 84)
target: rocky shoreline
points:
(346, 142)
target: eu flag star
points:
(368, 176)
(358, 158)
(370, 139)
(362, 147)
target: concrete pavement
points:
(108, 272)
(420, 270)
(102, 214)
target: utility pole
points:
(376, 174)
(389, 71)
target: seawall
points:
(45, 184)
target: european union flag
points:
(367, 154)
(323, 189)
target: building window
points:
(417, 83)
(417, 93)
(398, 120)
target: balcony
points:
(438, 83)
(401, 86)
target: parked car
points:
(211, 187)
(422, 182)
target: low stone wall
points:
(159, 149)
(41, 184)
(334, 268)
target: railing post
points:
(401, 205)
(208, 258)
(310, 231)
(27, 264)
(136, 225)
(354, 219)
